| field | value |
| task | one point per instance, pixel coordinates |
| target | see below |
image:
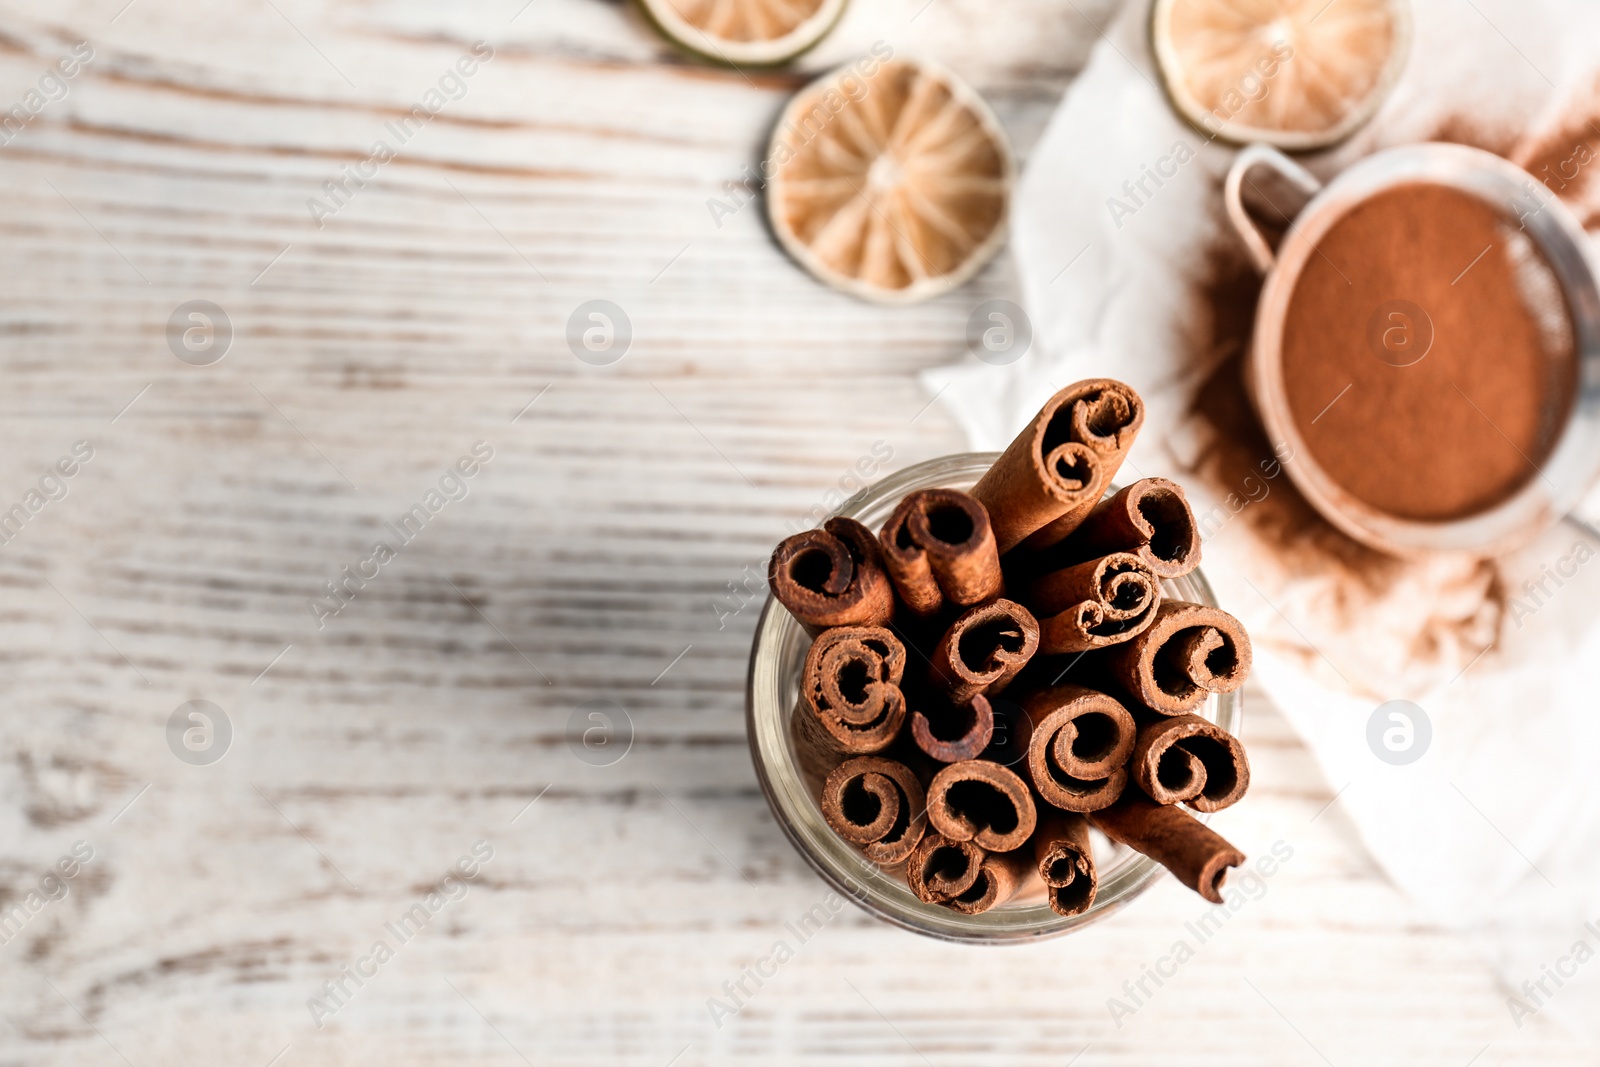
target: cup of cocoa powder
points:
(1426, 346)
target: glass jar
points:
(776, 658)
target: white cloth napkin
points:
(1497, 826)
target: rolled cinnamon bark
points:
(1188, 652)
(850, 700)
(981, 802)
(834, 576)
(1198, 856)
(940, 868)
(1096, 603)
(939, 549)
(878, 804)
(983, 650)
(1050, 470)
(1184, 758)
(1065, 860)
(999, 877)
(1101, 415)
(1078, 747)
(951, 733)
(1150, 518)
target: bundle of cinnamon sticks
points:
(1038, 586)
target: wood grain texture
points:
(593, 559)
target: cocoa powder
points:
(1235, 454)
(1427, 354)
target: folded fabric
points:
(1496, 826)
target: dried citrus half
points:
(892, 186)
(756, 33)
(1297, 74)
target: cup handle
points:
(1250, 157)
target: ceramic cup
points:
(1573, 463)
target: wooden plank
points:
(590, 553)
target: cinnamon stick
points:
(940, 868)
(1095, 603)
(1050, 470)
(878, 804)
(1150, 518)
(1065, 861)
(1197, 855)
(1060, 466)
(983, 650)
(1078, 747)
(834, 576)
(1188, 652)
(850, 701)
(999, 877)
(1106, 416)
(981, 802)
(951, 733)
(1184, 758)
(939, 549)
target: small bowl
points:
(776, 658)
(1574, 461)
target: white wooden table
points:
(586, 563)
